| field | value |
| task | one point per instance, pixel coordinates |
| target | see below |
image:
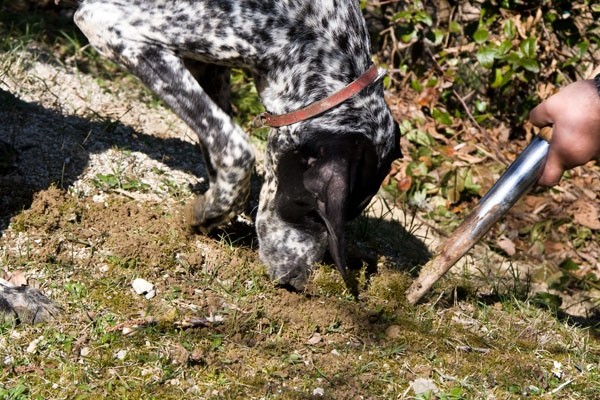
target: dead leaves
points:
(585, 213)
(526, 27)
(15, 278)
(506, 245)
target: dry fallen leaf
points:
(17, 278)
(428, 97)
(586, 214)
(404, 184)
(535, 202)
(506, 245)
(551, 246)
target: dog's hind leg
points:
(165, 73)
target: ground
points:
(95, 175)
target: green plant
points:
(19, 392)
(500, 53)
(246, 102)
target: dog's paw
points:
(211, 210)
(26, 305)
(204, 215)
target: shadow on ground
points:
(40, 147)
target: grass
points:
(218, 328)
(109, 341)
(256, 341)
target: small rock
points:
(142, 286)
(121, 354)
(72, 217)
(215, 318)
(393, 332)
(318, 392)
(99, 198)
(314, 338)
(33, 345)
(127, 331)
(147, 371)
(423, 385)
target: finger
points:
(553, 171)
(540, 115)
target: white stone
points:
(84, 352)
(423, 385)
(142, 286)
(121, 354)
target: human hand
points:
(575, 113)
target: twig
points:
(561, 386)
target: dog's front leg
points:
(225, 144)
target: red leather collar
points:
(319, 107)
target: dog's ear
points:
(342, 177)
(397, 152)
(328, 180)
(293, 202)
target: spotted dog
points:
(321, 170)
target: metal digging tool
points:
(520, 176)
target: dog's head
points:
(322, 183)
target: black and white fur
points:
(319, 173)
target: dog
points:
(333, 138)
